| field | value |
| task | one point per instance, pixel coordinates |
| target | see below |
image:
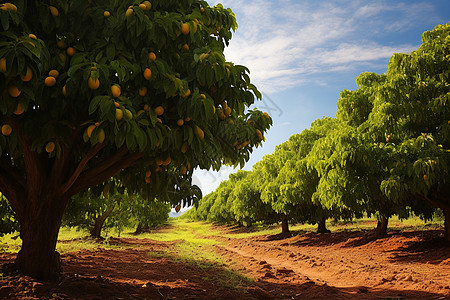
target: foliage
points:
(8, 221)
(118, 54)
(148, 213)
(291, 192)
(112, 206)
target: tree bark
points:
(381, 230)
(39, 228)
(322, 226)
(141, 228)
(284, 224)
(98, 224)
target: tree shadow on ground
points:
(351, 239)
(236, 229)
(278, 236)
(356, 238)
(432, 250)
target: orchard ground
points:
(193, 260)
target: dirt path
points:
(408, 265)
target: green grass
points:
(10, 243)
(195, 249)
(192, 244)
(412, 223)
(69, 240)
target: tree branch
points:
(110, 161)
(87, 179)
(91, 153)
(60, 165)
(437, 203)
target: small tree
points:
(92, 208)
(90, 88)
(266, 172)
(148, 214)
(201, 210)
(297, 182)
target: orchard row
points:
(387, 152)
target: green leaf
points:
(72, 70)
(110, 51)
(94, 104)
(4, 18)
(144, 122)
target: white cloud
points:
(285, 43)
(351, 53)
(208, 180)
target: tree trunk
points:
(284, 224)
(98, 225)
(381, 230)
(322, 226)
(97, 229)
(39, 228)
(446, 223)
(141, 228)
(442, 201)
(138, 229)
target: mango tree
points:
(297, 181)
(247, 206)
(90, 88)
(92, 208)
(148, 214)
(350, 162)
(221, 211)
(167, 186)
(266, 172)
(412, 108)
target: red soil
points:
(345, 265)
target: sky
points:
(302, 54)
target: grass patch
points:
(197, 250)
(70, 239)
(10, 243)
(158, 254)
(412, 223)
(193, 246)
(395, 223)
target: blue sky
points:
(301, 54)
